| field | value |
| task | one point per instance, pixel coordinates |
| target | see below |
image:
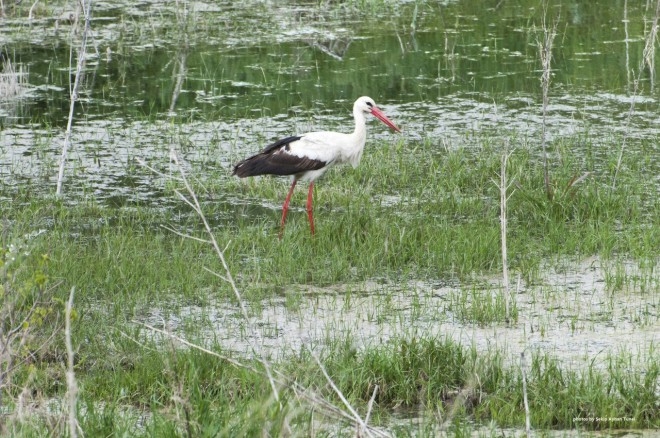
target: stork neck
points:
(360, 132)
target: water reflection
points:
(229, 75)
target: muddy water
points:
(571, 315)
(251, 73)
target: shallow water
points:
(444, 71)
(570, 314)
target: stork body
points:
(308, 156)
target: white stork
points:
(309, 156)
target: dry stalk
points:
(528, 428)
(627, 39)
(12, 81)
(181, 61)
(31, 13)
(180, 76)
(197, 347)
(648, 56)
(306, 394)
(362, 425)
(193, 202)
(72, 386)
(504, 187)
(545, 52)
(87, 10)
(370, 405)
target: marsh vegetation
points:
(496, 264)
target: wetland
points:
(400, 317)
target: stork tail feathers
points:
(252, 166)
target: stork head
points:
(367, 105)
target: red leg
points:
(285, 207)
(310, 194)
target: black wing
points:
(275, 160)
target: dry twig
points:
(528, 429)
(87, 10)
(71, 383)
(545, 52)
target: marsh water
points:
(236, 76)
(594, 324)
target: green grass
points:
(482, 306)
(190, 392)
(444, 223)
(406, 213)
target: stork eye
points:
(370, 105)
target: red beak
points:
(383, 118)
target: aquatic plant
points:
(13, 82)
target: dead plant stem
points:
(195, 205)
(504, 186)
(545, 52)
(528, 428)
(87, 9)
(72, 386)
(361, 423)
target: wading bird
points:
(308, 156)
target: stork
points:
(308, 156)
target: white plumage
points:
(309, 156)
